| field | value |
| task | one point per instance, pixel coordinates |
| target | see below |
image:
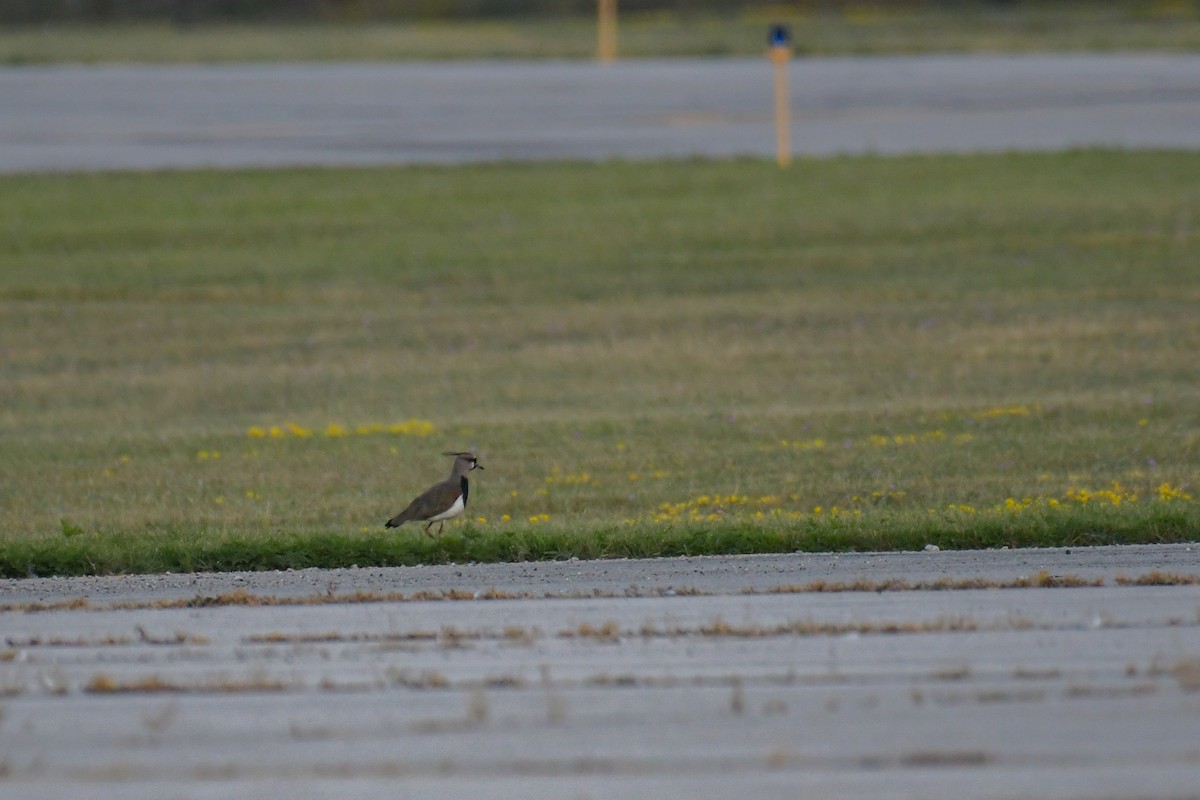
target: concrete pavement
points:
(672, 678)
(152, 117)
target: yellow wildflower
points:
(1168, 492)
(411, 427)
(1002, 411)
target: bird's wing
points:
(432, 501)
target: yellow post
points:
(606, 44)
(781, 54)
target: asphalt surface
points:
(766, 676)
(151, 117)
(728, 575)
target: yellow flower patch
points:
(878, 440)
(1003, 411)
(713, 508)
(334, 430)
(1167, 492)
(1115, 495)
(557, 476)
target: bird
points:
(442, 501)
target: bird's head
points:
(465, 459)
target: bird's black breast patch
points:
(465, 487)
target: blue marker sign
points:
(778, 36)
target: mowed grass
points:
(852, 28)
(217, 370)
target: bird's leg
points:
(441, 525)
(427, 533)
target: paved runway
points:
(149, 117)
(922, 675)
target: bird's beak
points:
(478, 465)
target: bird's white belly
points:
(452, 511)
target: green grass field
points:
(856, 29)
(215, 370)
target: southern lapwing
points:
(442, 501)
